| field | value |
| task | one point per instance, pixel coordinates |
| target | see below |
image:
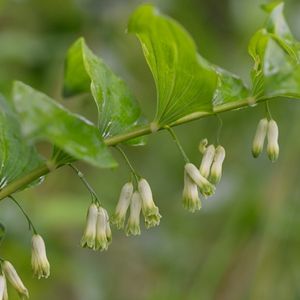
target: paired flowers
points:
(267, 129)
(204, 178)
(97, 234)
(40, 266)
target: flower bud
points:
(101, 238)
(273, 147)
(119, 216)
(207, 160)
(39, 260)
(133, 223)
(216, 168)
(190, 195)
(89, 236)
(206, 188)
(202, 146)
(108, 230)
(150, 210)
(14, 279)
(259, 138)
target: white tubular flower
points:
(108, 230)
(216, 168)
(273, 147)
(202, 146)
(5, 294)
(2, 287)
(39, 260)
(89, 236)
(206, 188)
(133, 223)
(119, 216)
(190, 195)
(150, 210)
(14, 279)
(259, 138)
(207, 160)
(101, 238)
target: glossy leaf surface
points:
(185, 83)
(43, 118)
(118, 110)
(17, 155)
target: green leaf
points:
(118, 111)
(185, 83)
(43, 118)
(17, 155)
(230, 88)
(275, 52)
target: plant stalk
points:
(113, 141)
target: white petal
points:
(259, 138)
(14, 279)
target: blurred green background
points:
(243, 244)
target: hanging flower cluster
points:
(140, 200)
(204, 178)
(266, 128)
(97, 234)
(40, 266)
(39, 263)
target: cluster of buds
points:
(267, 129)
(204, 178)
(139, 200)
(40, 266)
(97, 234)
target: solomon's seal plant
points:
(188, 88)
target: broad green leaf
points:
(230, 88)
(17, 155)
(118, 111)
(275, 52)
(185, 83)
(43, 118)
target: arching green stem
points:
(16, 185)
(31, 226)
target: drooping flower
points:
(5, 294)
(206, 188)
(14, 279)
(259, 138)
(101, 237)
(216, 168)
(89, 236)
(190, 195)
(207, 160)
(2, 287)
(119, 216)
(108, 230)
(273, 147)
(150, 210)
(39, 260)
(133, 223)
